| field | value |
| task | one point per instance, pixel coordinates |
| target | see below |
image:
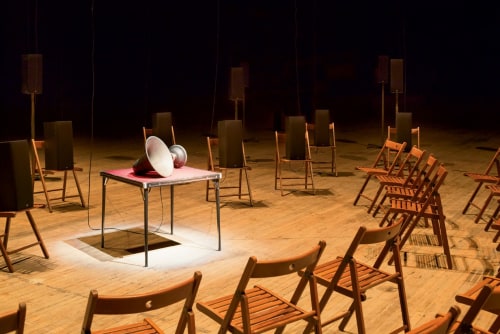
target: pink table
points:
(150, 180)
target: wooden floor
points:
(56, 289)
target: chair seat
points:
(147, 326)
(368, 276)
(267, 308)
(373, 170)
(478, 177)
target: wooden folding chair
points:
(13, 321)
(260, 309)
(386, 162)
(411, 162)
(483, 296)
(317, 145)
(425, 204)
(351, 278)
(411, 186)
(494, 192)
(487, 177)
(441, 324)
(43, 172)
(146, 132)
(213, 144)
(392, 131)
(8, 215)
(470, 296)
(134, 304)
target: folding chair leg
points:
(37, 233)
(362, 189)
(3, 246)
(248, 187)
(483, 209)
(471, 199)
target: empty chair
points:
(488, 177)
(352, 278)
(260, 309)
(129, 304)
(13, 321)
(483, 296)
(415, 132)
(323, 136)
(4, 238)
(146, 132)
(424, 204)
(293, 148)
(494, 191)
(441, 324)
(229, 149)
(386, 162)
(43, 172)
(411, 162)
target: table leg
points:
(217, 203)
(103, 208)
(172, 209)
(146, 208)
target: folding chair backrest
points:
(486, 298)
(494, 162)
(13, 321)
(389, 155)
(411, 162)
(129, 304)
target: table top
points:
(152, 179)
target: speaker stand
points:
(382, 113)
(32, 115)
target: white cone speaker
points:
(179, 155)
(158, 158)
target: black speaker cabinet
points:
(237, 86)
(162, 127)
(403, 129)
(295, 129)
(383, 69)
(58, 138)
(321, 127)
(230, 143)
(32, 72)
(397, 80)
(16, 190)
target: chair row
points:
(257, 308)
(411, 183)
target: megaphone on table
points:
(158, 157)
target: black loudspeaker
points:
(58, 138)
(162, 127)
(321, 127)
(237, 86)
(383, 69)
(16, 190)
(397, 82)
(230, 143)
(403, 129)
(295, 138)
(32, 72)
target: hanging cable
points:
(296, 37)
(92, 99)
(217, 37)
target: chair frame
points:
(482, 178)
(139, 303)
(412, 161)
(352, 279)
(213, 142)
(258, 309)
(386, 161)
(8, 215)
(494, 192)
(146, 132)
(425, 204)
(42, 172)
(13, 320)
(413, 132)
(280, 138)
(333, 147)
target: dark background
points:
(108, 65)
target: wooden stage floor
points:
(56, 289)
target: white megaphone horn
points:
(159, 158)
